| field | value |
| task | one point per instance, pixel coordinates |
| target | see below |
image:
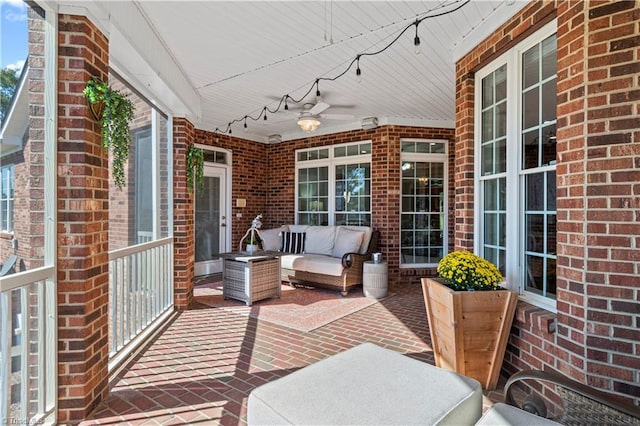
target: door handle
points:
(223, 224)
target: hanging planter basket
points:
(115, 112)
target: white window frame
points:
(7, 216)
(427, 158)
(331, 162)
(514, 184)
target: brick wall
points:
(183, 211)
(265, 176)
(250, 170)
(82, 230)
(598, 154)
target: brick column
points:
(83, 224)
(598, 129)
(464, 158)
(183, 212)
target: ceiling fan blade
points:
(319, 107)
(338, 116)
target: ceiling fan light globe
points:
(308, 124)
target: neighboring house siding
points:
(598, 152)
(28, 160)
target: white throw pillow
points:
(320, 240)
(272, 238)
(347, 241)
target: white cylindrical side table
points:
(375, 279)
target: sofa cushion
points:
(366, 238)
(293, 242)
(298, 228)
(321, 264)
(347, 241)
(272, 238)
(319, 239)
(296, 262)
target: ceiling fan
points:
(309, 117)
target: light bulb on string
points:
(358, 71)
(265, 113)
(416, 41)
(245, 124)
(286, 106)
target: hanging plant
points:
(115, 111)
(195, 167)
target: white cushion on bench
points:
(367, 385)
(505, 415)
(316, 263)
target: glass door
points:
(210, 221)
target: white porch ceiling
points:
(239, 57)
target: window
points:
(144, 181)
(516, 171)
(7, 179)
(423, 224)
(142, 212)
(333, 185)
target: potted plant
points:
(470, 316)
(253, 243)
(195, 167)
(115, 112)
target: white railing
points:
(28, 347)
(140, 294)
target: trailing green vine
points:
(117, 112)
(195, 167)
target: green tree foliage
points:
(8, 83)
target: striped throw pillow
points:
(293, 242)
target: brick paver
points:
(203, 366)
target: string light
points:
(285, 98)
(416, 41)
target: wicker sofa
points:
(328, 256)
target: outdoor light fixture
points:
(308, 124)
(369, 123)
(275, 138)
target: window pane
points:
(530, 67)
(501, 83)
(530, 108)
(501, 156)
(501, 120)
(530, 149)
(549, 145)
(549, 101)
(487, 91)
(549, 57)
(487, 125)
(534, 192)
(408, 147)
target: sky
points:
(13, 33)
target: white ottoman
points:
(506, 415)
(367, 385)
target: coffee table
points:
(251, 277)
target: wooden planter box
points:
(469, 329)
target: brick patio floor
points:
(203, 365)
